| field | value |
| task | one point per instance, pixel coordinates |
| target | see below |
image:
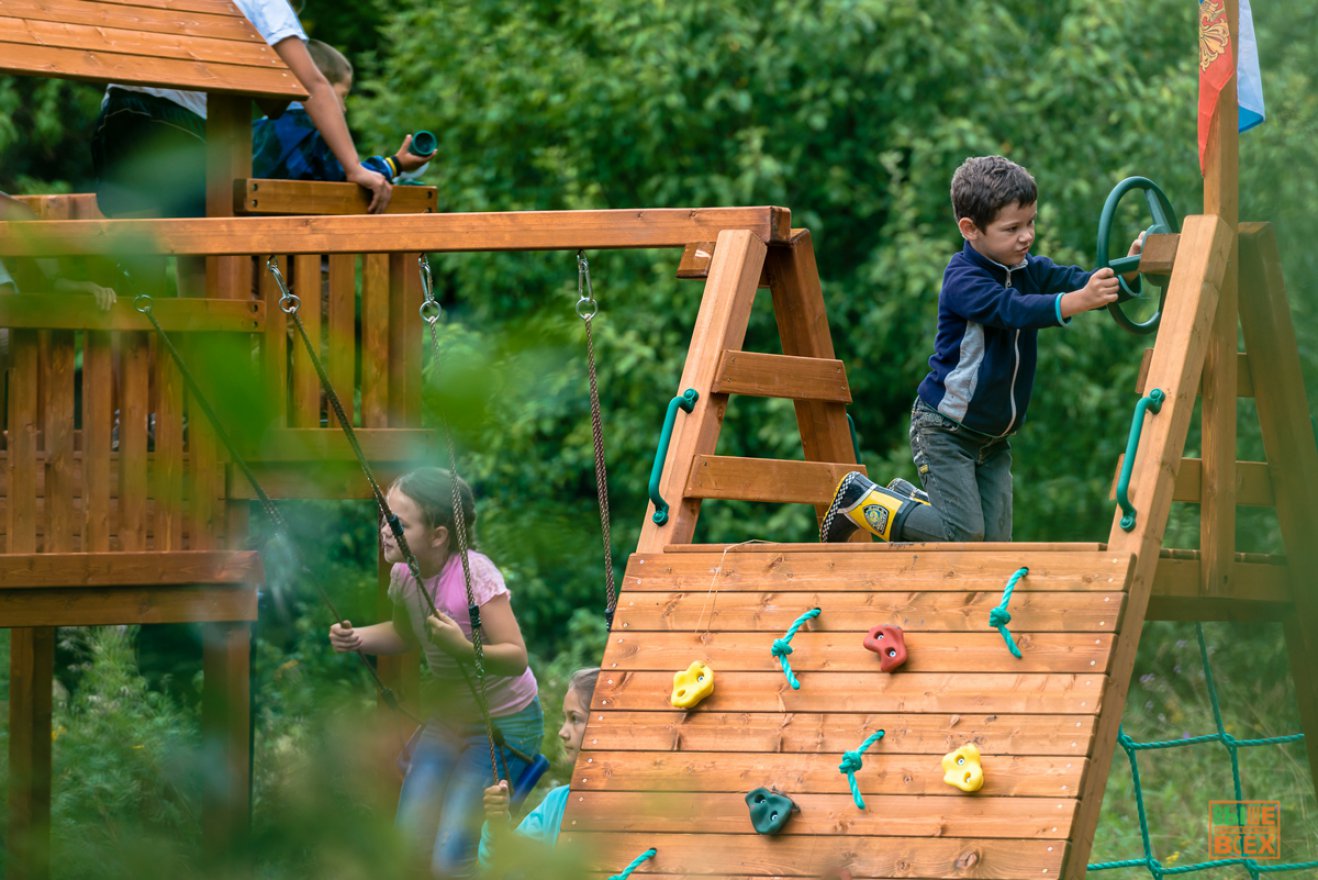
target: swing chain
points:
(586, 305)
(587, 308)
(289, 302)
(431, 311)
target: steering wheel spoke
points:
(1164, 221)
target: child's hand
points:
(105, 296)
(406, 160)
(496, 802)
(1098, 292)
(445, 632)
(343, 638)
(374, 182)
(1136, 247)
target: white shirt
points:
(274, 20)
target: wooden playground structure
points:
(140, 523)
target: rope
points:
(1156, 868)
(781, 647)
(290, 304)
(999, 617)
(636, 863)
(142, 303)
(586, 310)
(851, 762)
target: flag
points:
(1215, 68)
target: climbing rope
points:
(782, 647)
(142, 303)
(851, 762)
(999, 617)
(636, 863)
(587, 308)
(290, 304)
(1131, 747)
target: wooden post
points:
(1217, 507)
(226, 728)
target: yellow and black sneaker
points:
(859, 503)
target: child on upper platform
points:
(995, 298)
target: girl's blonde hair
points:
(431, 488)
(582, 683)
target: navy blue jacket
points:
(989, 315)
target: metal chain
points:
(142, 303)
(587, 308)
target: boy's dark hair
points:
(432, 490)
(984, 185)
(582, 683)
(329, 61)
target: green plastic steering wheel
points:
(1164, 222)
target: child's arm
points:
(379, 638)
(1099, 291)
(503, 647)
(323, 108)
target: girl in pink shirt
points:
(440, 802)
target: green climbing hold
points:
(770, 810)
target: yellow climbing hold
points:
(692, 685)
(962, 768)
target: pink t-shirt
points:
(504, 694)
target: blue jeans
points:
(968, 477)
(440, 805)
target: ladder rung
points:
(1244, 379)
(1253, 482)
(765, 479)
(781, 375)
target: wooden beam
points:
(779, 375)
(1159, 254)
(31, 674)
(1176, 368)
(1244, 379)
(102, 606)
(226, 728)
(1248, 581)
(393, 233)
(19, 571)
(264, 197)
(79, 312)
(319, 445)
(138, 17)
(765, 479)
(1253, 482)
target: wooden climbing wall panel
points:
(650, 775)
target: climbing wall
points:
(650, 775)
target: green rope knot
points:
(999, 617)
(636, 863)
(782, 647)
(852, 761)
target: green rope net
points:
(1156, 869)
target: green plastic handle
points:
(686, 401)
(1151, 402)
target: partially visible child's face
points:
(341, 90)
(420, 539)
(574, 724)
(1007, 238)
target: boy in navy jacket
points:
(996, 296)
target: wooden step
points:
(765, 479)
(1253, 482)
(779, 375)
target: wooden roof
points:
(202, 45)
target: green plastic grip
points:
(686, 401)
(1153, 401)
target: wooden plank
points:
(62, 206)
(341, 329)
(765, 479)
(375, 340)
(840, 692)
(394, 233)
(226, 730)
(317, 444)
(228, 155)
(258, 196)
(97, 426)
(884, 773)
(63, 522)
(114, 39)
(840, 651)
(1247, 581)
(843, 568)
(129, 605)
(106, 66)
(134, 408)
(79, 312)
(726, 855)
(29, 570)
(826, 814)
(21, 457)
(904, 548)
(780, 375)
(720, 324)
(166, 474)
(404, 330)
(218, 7)
(1244, 379)
(1158, 256)
(305, 406)
(304, 480)
(140, 18)
(696, 257)
(1253, 482)
(815, 732)
(1176, 368)
(31, 674)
